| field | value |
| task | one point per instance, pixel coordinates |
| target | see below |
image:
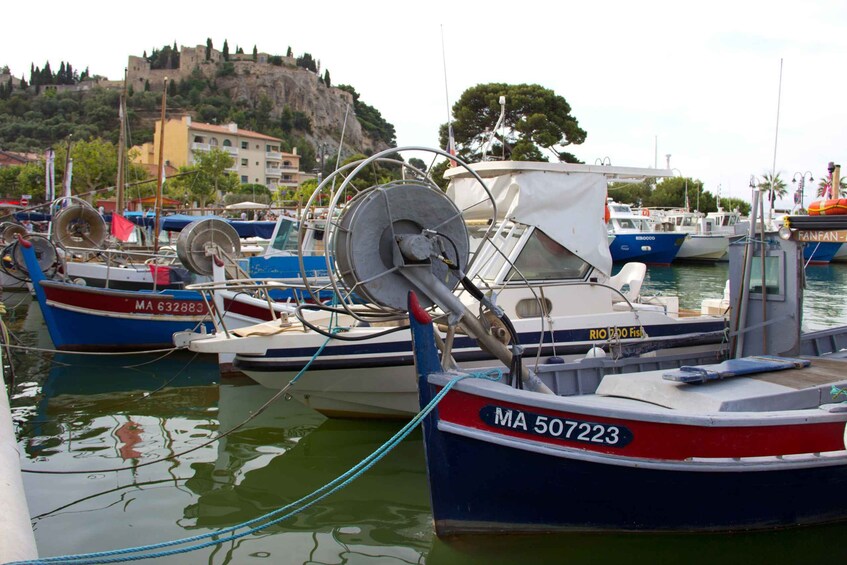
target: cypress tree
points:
(208, 48)
(226, 51)
(255, 54)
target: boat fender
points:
(555, 361)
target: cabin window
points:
(533, 308)
(774, 278)
(544, 259)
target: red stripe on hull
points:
(117, 302)
(658, 440)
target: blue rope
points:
(121, 555)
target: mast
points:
(120, 181)
(157, 211)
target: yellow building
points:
(258, 158)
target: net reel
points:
(13, 262)
(79, 225)
(389, 238)
(201, 239)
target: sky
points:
(728, 89)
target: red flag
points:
(121, 227)
(161, 274)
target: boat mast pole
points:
(120, 182)
(158, 206)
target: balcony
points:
(200, 146)
(229, 149)
(273, 171)
(273, 155)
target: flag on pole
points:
(121, 227)
(68, 178)
(49, 176)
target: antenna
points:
(451, 144)
(775, 138)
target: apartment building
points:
(258, 157)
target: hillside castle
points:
(282, 82)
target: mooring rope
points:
(275, 516)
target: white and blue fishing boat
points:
(541, 255)
(637, 239)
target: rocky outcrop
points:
(282, 84)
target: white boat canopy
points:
(565, 201)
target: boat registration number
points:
(553, 427)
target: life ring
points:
(645, 212)
(833, 207)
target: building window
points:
(227, 143)
(198, 139)
(244, 145)
(286, 164)
(213, 142)
(244, 162)
(244, 179)
(257, 164)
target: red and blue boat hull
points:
(506, 460)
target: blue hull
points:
(822, 252)
(658, 248)
(480, 487)
(85, 332)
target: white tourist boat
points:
(705, 242)
(548, 267)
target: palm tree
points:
(775, 187)
(824, 183)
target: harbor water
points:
(90, 426)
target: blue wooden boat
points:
(638, 452)
(83, 318)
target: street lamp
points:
(799, 193)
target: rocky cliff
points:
(283, 84)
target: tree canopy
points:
(537, 120)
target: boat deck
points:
(791, 389)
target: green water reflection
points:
(96, 414)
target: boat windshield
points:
(286, 237)
(544, 259)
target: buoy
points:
(645, 212)
(595, 353)
(832, 207)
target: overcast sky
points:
(645, 79)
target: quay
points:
(17, 540)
